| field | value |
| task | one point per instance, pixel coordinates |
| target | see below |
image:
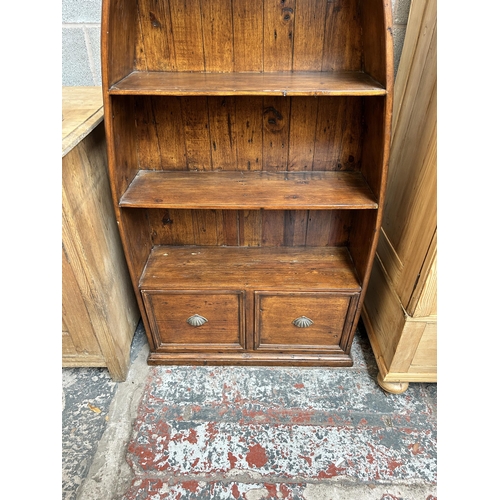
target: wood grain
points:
(257, 134)
(298, 83)
(424, 298)
(376, 25)
(410, 220)
(195, 119)
(251, 358)
(79, 339)
(297, 268)
(249, 133)
(277, 38)
(246, 35)
(275, 313)
(248, 190)
(117, 56)
(82, 111)
(187, 35)
(400, 307)
(100, 312)
(155, 33)
(248, 24)
(302, 138)
(224, 312)
(309, 34)
(218, 44)
(343, 48)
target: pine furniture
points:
(248, 145)
(400, 309)
(99, 308)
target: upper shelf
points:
(247, 190)
(338, 83)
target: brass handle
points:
(196, 320)
(303, 322)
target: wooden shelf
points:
(281, 268)
(247, 190)
(340, 83)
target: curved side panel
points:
(118, 26)
(118, 37)
(379, 63)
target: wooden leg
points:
(392, 387)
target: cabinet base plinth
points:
(250, 359)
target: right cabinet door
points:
(302, 321)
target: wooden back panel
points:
(248, 35)
(250, 227)
(247, 133)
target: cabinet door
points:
(302, 321)
(196, 320)
(408, 240)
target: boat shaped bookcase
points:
(248, 148)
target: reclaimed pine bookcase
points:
(248, 148)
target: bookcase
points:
(248, 150)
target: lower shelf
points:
(250, 305)
(307, 268)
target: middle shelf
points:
(247, 190)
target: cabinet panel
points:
(400, 305)
(99, 309)
(194, 320)
(302, 321)
(78, 336)
(425, 359)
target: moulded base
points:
(250, 358)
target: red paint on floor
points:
(235, 491)
(271, 488)
(208, 442)
(257, 456)
(193, 436)
(190, 486)
(332, 471)
(232, 460)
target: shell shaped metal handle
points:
(196, 320)
(303, 322)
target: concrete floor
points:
(188, 432)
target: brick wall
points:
(81, 25)
(400, 11)
(81, 42)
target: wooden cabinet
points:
(99, 308)
(248, 148)
(400, 311)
